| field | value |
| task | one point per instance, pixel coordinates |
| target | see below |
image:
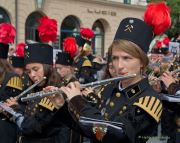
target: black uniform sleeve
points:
(135, 120)
(9, 92)
(33, 125)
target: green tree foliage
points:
(175, 16)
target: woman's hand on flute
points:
(72, 90)
(11, 101)
(87, 91)
(57, 99)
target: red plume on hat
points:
(7, 33)
(157, 15)
(86, 33)
(20, 49)
(47, 29)
(69, 46)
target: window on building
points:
(4, 17)
(98, 41)
(70, 27)
(32, 22)
(127, 1)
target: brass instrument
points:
(29, 88)
(42, 94)
(159, 78)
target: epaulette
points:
(151, 105)
(45, 102)
(86, 63)
(15, 82)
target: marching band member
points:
(10, 82)
(132, 101)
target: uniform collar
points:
(136, 88)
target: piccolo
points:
(42, 94)
(30, 88)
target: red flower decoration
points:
(20, 49)
(166, 41)
(86, 33)
(47, 29)
(7, 33)
(69, 46)
(158, 44)
(157, 15)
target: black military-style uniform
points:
(40, 123)
(137, 106)
(10, 87)
(171, 117)
(75, 137)
(26, 82)
(84, 70)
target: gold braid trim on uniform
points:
(86, 63)
(15, 82)
(45, 102)
(151, 105)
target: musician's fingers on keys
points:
(50, 88)
(75, 84)
(87, 91)
(71, 91)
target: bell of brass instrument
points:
(42, 94)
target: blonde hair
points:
(130, 48)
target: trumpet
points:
(42, 94)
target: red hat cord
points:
(47, 29)
(7, 33)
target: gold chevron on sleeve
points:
(151, 105)
(46, 103)
(15, 82)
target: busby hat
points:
(64, 58)
(130, 27)
(80, 41)
(85, 39)
(156, 21)
(18, 60)
(42, 52)
(7, 35)
(38, 53)
(161, 45)
(4, 48)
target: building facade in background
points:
(103, 16)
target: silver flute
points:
(42, 94)
(30, 88)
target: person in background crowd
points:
(38, 122)
(10, 83)
(83, 58)
(17, 62)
